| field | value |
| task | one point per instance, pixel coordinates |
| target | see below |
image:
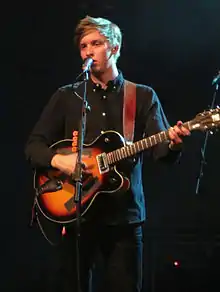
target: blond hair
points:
(105, 27)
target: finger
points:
(89, 168)
(179, 123)
(177, 130)
(181, 131)
(174, 136)
(177, 140)
(84, 166)
(173, 133)
(184, 130)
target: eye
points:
(82, 46)
(97, 43)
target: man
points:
(113, 228)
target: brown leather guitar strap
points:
(129, 111)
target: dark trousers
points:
(110, 259)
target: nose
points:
(89, 51)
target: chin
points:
(96, 70)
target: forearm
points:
(47, 130)
(39, 154)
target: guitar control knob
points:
(107, 140)
(113, 180)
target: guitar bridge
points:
(102, 163)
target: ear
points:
(115, 49)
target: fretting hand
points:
(176, 133)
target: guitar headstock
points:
(206, 120)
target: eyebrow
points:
(93, 41)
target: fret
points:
(119, 154)
(115, 157)
(135, 149)
(165, 135)
(132, 149)
(137, 143)
(109, 158)
(142, 145)
(125, 150)
(151, 144)
(122, 152)
(112, 157)
(160, 138)
(146, 142)
(128, 148)
(188, 125)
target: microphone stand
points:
(77, 176)
(215, 82)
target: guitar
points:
(55, 190)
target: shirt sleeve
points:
(48, 129)
(157, 122)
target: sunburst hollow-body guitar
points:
(55, 190)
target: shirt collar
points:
(112, 85)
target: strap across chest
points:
(129, 111)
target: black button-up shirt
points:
(62, 116)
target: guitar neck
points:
(141, 145)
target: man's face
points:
(97, 47)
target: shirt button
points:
(94, 90)
(104, 97)
(103, 114)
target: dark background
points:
(173, 46)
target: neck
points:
(103, 77)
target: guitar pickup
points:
(102, 163)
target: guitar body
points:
(59, 206)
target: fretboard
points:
(141, 145)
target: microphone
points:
(216, 80)
(87, 64)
